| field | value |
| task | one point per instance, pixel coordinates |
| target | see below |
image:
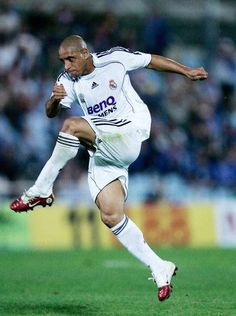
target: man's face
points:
(74, 60)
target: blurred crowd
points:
(194, 124)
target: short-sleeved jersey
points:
(107, 91)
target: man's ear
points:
(85, 53)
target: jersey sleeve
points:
(68, 86)
(130, 60)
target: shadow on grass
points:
(47, 309)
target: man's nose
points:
(67, 65)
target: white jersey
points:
(115, 112)
(107, 91)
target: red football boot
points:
(26, 203)
(164, 292)
(163, 280)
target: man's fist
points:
(58, 92)
(197, 73)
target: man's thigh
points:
(111, 200)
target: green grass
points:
(111, 282)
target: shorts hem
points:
(123, 184)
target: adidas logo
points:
(94, 85)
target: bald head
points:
(74, 42)
(73, 52)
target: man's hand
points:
(53, 104)
(58, 92)
(196, 73)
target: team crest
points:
(112, 84)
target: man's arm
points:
(161, 63)
(52, 106)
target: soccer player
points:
(114, 125)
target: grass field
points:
(111, 282)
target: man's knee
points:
(110, 202)
(111, 219)
(71, 125)
(80, 128)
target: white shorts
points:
(118, 144)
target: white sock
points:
(65, 149)
(132, 238)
